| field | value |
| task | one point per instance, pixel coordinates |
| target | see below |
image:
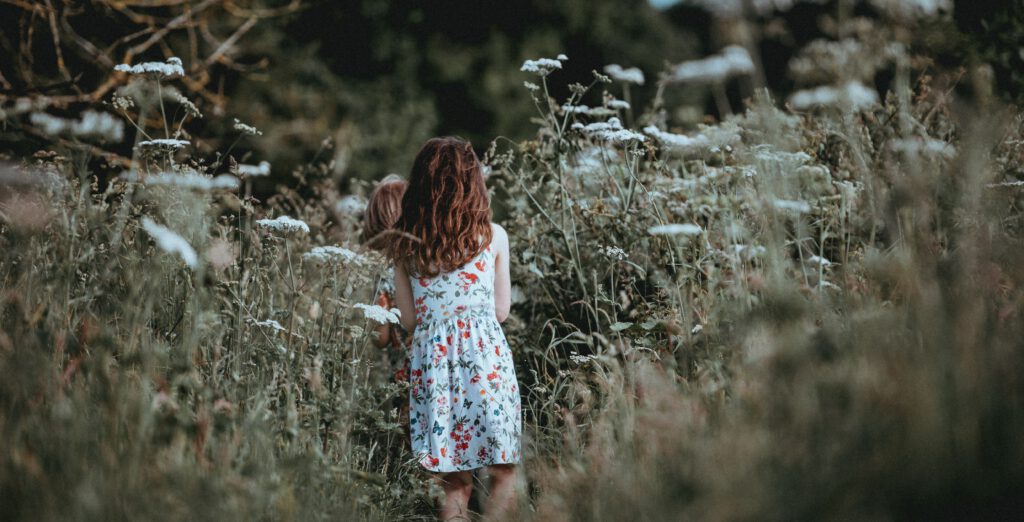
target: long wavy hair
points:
(382, 211)
(446, 211)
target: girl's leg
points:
(458, 487)
(502, 495)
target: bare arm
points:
(502, 278)
(403, 298)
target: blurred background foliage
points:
(364, 82)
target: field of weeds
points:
(810, 309)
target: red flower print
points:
(460, 323)
(444, 451)
(441, 349)
(468, 278)
(481, 265)
(491, 376)
(465, 334)
(475, 379)
(459, 309)
(424, 282)
(497, 349)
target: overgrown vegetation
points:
(809, 310)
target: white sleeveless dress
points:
(465, 410)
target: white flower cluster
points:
(164, 71)
(263, 169)
(611, 130)
(619, 105)
(674, 229)
(614, 252)
(380, 314)
(284, 224)
(711, 138)
(913, 9)
(163, 144)
(731, 61)
(188, 180)
(800, 207)
(630, 75)
(575, 109)
(853, 95)
(748, 251)
(170, 242)
(327, 254)
(350, 205)
(542, 66)
(92, 125)
(818, 260)
(246, 129)
(924, 146)
(734, 8)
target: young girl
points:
(453, 289)
(382, 211)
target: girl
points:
(453, 289)
(382, 211)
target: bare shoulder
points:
(500, 237)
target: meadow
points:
(810, 309)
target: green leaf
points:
(620, 326)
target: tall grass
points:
(811, 314)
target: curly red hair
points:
(446, 211)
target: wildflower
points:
(854, 95)
(164, 144)
(913, 9)
(379, 313)
(618, 105)
(576, 109)
(800, 207)
(351, 205)
(245, 129)
(93, 124)
(562, 58)
(541, 67)
(263, 169)
(325, 254)
(673, 229)
(611, 130)
(614, 252)
(765, 153)
(190, 108)
(284, 224)
(162, 71)
(122, 103)
(818, 260)
(630, 75)
(733, 60)
(190, 180)
(170, 242)
(677, 142)
(924, 146)
(533, 87)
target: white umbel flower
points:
(189, 180)
(163, 144)
(619, 74)
(170, 242)
(854, 95)
(733, 60)
(674, 229)
(800, 207)
(541, 66)
(168, 70)
(327, 254)
(263, 169)
(284, 224)
(380, 314)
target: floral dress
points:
(464, 397)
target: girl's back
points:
(465, 406)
